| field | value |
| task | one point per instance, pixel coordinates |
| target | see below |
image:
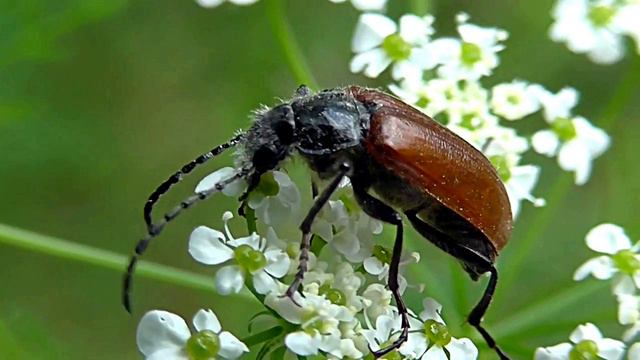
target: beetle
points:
(398, 160)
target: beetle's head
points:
(269, 140)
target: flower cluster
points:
(620, 263)
(596, 27)
(344, 308)
(442, 77)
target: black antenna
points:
(175, 178)
(156, 229)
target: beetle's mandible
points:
(399, 161)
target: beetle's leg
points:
(467, 255)
(157, 228)
(175, 178)
(314, 189)
(381, 211)
(305, 227)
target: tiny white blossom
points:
(278, 202)
(251, 256)
(379, 263)
(576, 142)
(472, 56)
(163, 335)
(317, 319)
(433, 97)
(620, 257)
(589, 27)
(634, 352)
(431, 339)
(214, 3)
(514, 100)
(377, 299)
(586, 343)
(385, 332)
(366, 5)
(378, 42)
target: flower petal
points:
(432, 310)
(545, 142)
(230, 346)
(607, 239)
(574, 156)
(161, 330)
(278, 263)
(435, 353)
(169, 354)
(206, 319)
(586, 331)
(556, 352)
(371, 62)
(371, 31)
(229, 280)
(263, 283)
(206, 246)
(460, 349)
(610, 349)
(601, 267)
(373, 266)
(302, 343)
(209, 182)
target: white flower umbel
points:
(621, 258)
(162, 335)
(433, 97)
(340, 286)
(574, 140)
(472, 56)
(514, 100)
(365, 5)
(317, 319)
(590, 27)
(214, 3)
(250, 255)
(432, 339)
(586, 343)
(378, 42)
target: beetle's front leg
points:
(305, 227)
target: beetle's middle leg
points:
(305, 227)
(383, 212)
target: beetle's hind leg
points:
(468, 256)
(305, 227)
(381, 211)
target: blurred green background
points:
(101, 101)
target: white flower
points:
(558, 105)
(627, 19)
(276, 200)
(589, 27)
(430, 337)
(250, 256)
(576, 142)
(380, 260)
(214, 3)
(586, 343)
(378, 42)
(366, 5)
(621, 258)
(514, 100)
(162, 335)
(377, 300)
(472, 56)
(318, 321)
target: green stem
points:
(289, 46)
(250, 217)
(263, 336)
(420, 7)
(545, 309)
(52, 246)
